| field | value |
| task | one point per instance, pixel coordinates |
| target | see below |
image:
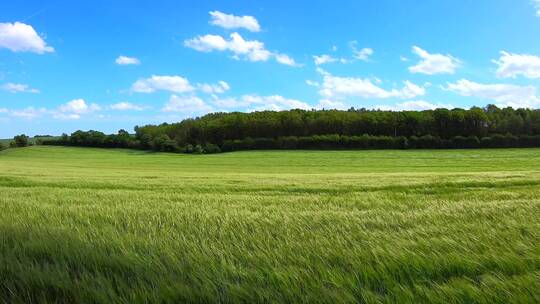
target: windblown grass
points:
(118, 226)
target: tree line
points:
(476, 127)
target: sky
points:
(107, 65)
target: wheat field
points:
(119, 226)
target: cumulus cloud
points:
(18, 88)
(219, 88)
(252, 50)
(503, 94)
(413, 105)
(21, 37)
(432, 64)
(234, 22)
(175, 84)
(334, 87)
(187, 105)
(513, 65)
(127, 106)
(125, 60)
(74, 109)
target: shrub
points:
(21, 140)
(288, 142)
(198, 149)
(211, 149)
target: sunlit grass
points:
(91, 225)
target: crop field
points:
(120, 226)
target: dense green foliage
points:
(123, 226)
(330, 129)
(21, 141)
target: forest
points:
(489, 127)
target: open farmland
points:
(95, 225)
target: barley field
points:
(117, 226)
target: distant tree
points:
(161, 142)
(2, 146)
(64, 138)
(330, 129)
(21, 140)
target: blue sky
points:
(106, 65)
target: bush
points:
(211, 149)
(21, 140)
(289, 142)
(461, 142)
(198, 149)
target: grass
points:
(119, 226)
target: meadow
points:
(123, 226)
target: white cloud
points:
(207, 43)
(234, 22)
(432, 64)
(74, 109)
(502, 94)
(186, 104)
(252, 50)
(512, 65)
(331, 105)
(334, 87)
(276, 103)
(363, 54)
(175, 84)
(219, 88)
(18, 88)
(537, 7)
(413, 105)
(125, 60)
(260, 103)
(20, 37)
(29, 113)
(285, 59)
(127, 106)
(403, 58)
(312, 83)
(324, 59)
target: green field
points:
(119, 226)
